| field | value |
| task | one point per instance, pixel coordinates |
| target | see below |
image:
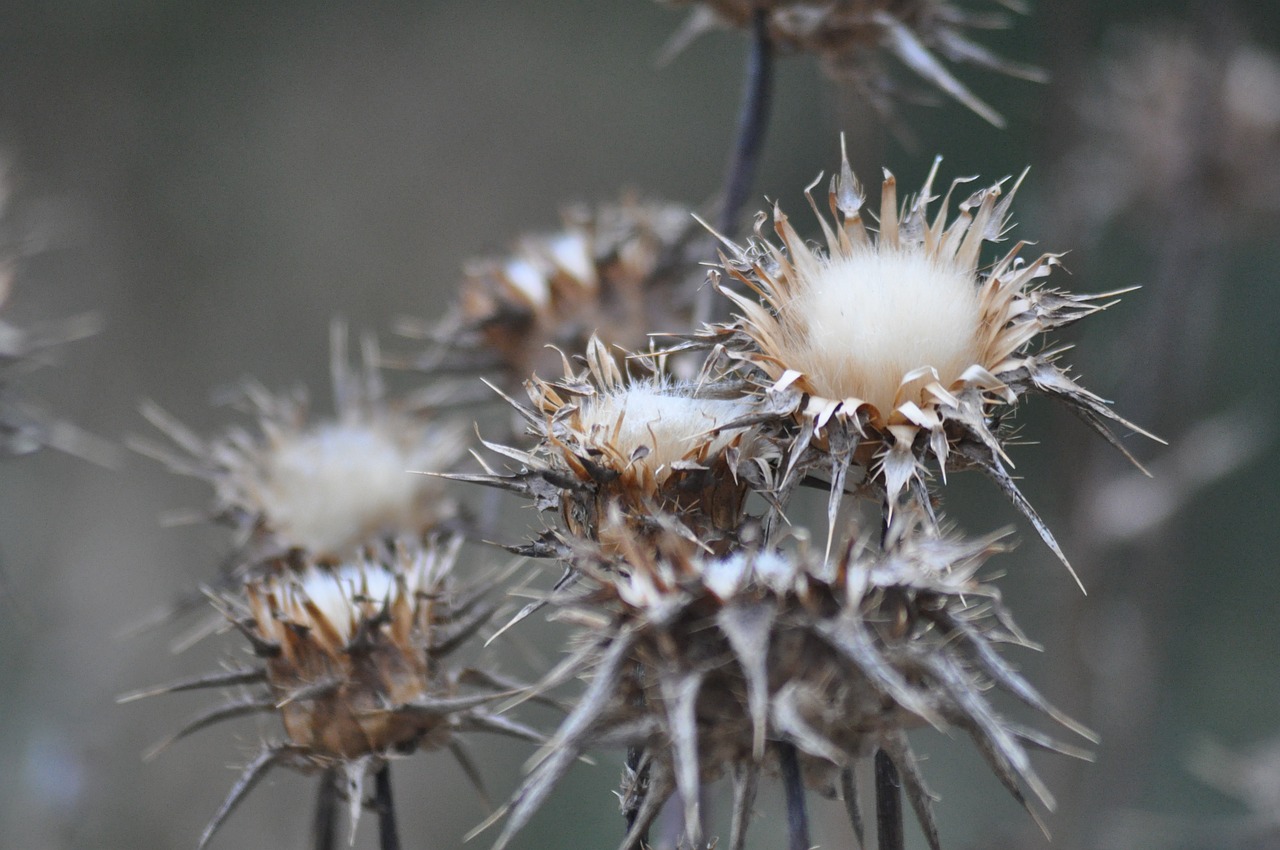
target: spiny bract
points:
(711, 664)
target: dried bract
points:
(323, 488)
(892, 347)
(617, 271)
(853, 37)
(354, 659)
(711, 664)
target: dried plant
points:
(617, 270)
(651, 447)
(713, 665)
(355, 660)
(853, 37)
(25, 427)
(892, 349)
(711, 640)
(319, 488)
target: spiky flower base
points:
(354, 661)
(710, 665)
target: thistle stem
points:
(324, 829)
(889, 835)
(639, 777)
(753, 121)
(793, 788)
(388, 835)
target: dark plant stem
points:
(888, 804)
(324, 829)
(388, 835)
(639, 778)
(793, 788)
(753, 121)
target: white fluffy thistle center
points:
(327, 489)
(668, 424)
(867, 319)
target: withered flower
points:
(24, 427)
(649, 446)
(889, 347)
(616, 270)
(712, 664)
(321, 488)
(853, 37)
(354, 659)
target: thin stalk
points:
(753, 121)
(388, 835)
(889, 834)
(324, 829)
(639, 773)
(793, 788)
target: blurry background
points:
(217, 181)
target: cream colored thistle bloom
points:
(893, 346)
(356, 660)
(650, 446)
(614, 271)
(326, 487)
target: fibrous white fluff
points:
(655, 425)
(868, 319)
(340, 483)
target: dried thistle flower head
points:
(891, 347)
(616, 270)
(712, 664)
(852, 38)
(649, 446)
(355, 661)
(322, 487)
(24, 427)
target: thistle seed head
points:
(327, 487)
(649, 446)
(616, 270)
(853, 38)
(710, 662)
(891, 347)
(357, 660)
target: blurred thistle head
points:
(711, 663)
(25, 427)
(617, 270)
(323, 488)
(355, 660)
(887, 348)
(1173, 118)
(853, 38)
(648, 446)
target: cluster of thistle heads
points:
(714, 632)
